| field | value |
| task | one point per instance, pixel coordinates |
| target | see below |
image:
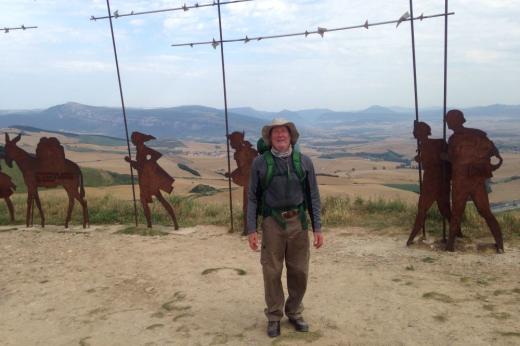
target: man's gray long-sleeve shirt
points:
(285, 189)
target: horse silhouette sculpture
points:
(244, 156)
(48, 168)
(152, 177)
(7, 188)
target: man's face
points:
(280, 138)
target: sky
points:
(70, 58)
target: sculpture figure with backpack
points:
(470, 152)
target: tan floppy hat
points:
(266, 130)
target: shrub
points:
(188, 169)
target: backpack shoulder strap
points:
(297, 161)
(269, 160)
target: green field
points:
(406, 187)
(92, 177)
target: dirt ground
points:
(203, 286)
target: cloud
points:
(480, 56)
(137, 22)
(353, 69)
(82, 66)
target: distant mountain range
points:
(208, 123)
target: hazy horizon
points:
(407, 108)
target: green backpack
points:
(263, 210)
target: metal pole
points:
(124, 110)
(226, 115)
(415, 93)
(444, 105)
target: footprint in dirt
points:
(184, 330)
(176, 307)
(155, 326)
(84, 342)
(224, 272)
(176, 303)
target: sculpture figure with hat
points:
(470, 152)
(244, 156)
(436, 184)
(152, 178)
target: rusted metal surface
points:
(470, 152)
(244, 156)
(48, 168)
(435, 185)
(7, 188)
(152, 178)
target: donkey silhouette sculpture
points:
(48, 168)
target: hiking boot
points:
(299, 324)
(273, 329)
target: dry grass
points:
(110, 210)
(336, 211)
(380, 214)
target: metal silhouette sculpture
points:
(7, 188)
(48, 168)
(244, 156)
(470, 152)
(435, 183)
(152, 177)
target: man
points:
(436, 183)
(470, 152)
(283, 187)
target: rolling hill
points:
(207, 123)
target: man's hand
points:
(318, 239)
(253, 241)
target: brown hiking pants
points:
(291, 244)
